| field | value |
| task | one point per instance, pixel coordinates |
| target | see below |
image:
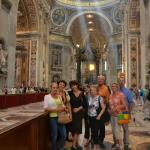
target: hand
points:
(98, 117)
(117, 109)
(61, 109)
(75, 110)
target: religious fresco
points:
(58, 16)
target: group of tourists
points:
(98, 105)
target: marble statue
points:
(2, 58)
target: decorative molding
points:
(33, 66)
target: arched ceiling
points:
(27, 17)
(91, 29)
(86, 3)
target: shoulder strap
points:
(99, 104)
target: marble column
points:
(8, 33)
(112, 62)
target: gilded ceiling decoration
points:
(27, 17)
(86, 3)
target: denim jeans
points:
(55, 127)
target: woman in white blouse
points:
(94, 103)
(53, 105)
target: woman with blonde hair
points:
(53, 104)
(117, 105)
(96, 108)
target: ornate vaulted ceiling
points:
(27, 17)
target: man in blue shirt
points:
(129, 102)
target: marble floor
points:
(139, 132)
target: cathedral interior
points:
(42, 41)
(58, 39)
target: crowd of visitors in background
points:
(92, 103)
(22, 90)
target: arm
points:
(48, 109)
(130, 101)
(60, 109)
(103, 106)
(122, 105)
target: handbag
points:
(105, 116)
(123, 118)
(64, 117)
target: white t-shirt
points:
(93, 105)
(50, 102)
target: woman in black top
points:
(78, 104)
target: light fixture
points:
(104, 45)
(105, 65)
(91, 67)
(89, 16)
(77, 45)
(91, 29)
(90, 22)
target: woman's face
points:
(74, 87)
(61, 85)
(54, 88)
(87, 89)
(93, 91)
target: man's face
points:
(121, 82)
(114, 87)
(100, 81)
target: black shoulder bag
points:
(105, 116)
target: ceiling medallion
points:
(86, 3)
(58, 16)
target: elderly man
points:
(103, 92)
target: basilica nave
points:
(45, 41)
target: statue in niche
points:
(56, 59)
(3, 56)
(56, 78)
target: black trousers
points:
(94, 125)
(101, 131)
(87, 126)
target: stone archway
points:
(73, 18)
(93, 42)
